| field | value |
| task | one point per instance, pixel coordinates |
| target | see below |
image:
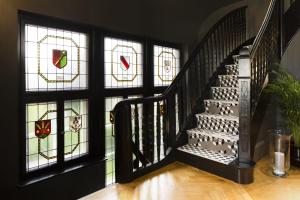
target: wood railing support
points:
(244, 105)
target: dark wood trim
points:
(95, 94)
(184, 85)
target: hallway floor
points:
(178, 181)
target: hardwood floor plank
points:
(178, 181)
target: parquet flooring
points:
(178, 181)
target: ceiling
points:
(171, 20)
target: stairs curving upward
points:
(216, 136)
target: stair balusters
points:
(158, 135)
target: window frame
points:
(95, 94)
(161, 89)
(59, 97)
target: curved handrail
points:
(145, 128)
(182, 71)
(254, 65)
(269, 37)
(263, 28)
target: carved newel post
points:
(244, 106)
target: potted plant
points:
(287, 89)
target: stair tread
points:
(208, 154)
(221, 101)
(224, 117)
(235, 56)
(231, 65)
(235, 88)
(228, 75)
(213, 133)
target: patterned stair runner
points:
(216, 135)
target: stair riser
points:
(219, 145)
(236, 59)
(221, 125)
(241, 175)
(228, 81)
(231, 70)
(225, 94)
(228, 109)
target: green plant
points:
(287, 88)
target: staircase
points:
(213, 144)
(216, 136)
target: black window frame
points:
(55, 96)
(95, 94)
(161, 89)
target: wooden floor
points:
(180, 181)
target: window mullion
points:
(60, 132)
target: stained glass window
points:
(166, 65)
(177, 113)
(110, 103)
(76, 128)
(41, 135)
(161, 156)
(123, 63)
(55, 59)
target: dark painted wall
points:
(174, 21)
(256, 10)
(291, 57)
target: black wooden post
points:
(171, 120)
(123, 141)
(244, 106)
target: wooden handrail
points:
(171, 111)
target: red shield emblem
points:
(124, 62)
(59, 58)
(42, 128)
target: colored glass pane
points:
(123, 63)
(55, 59)
(41, 135)
(166, 65)
(76, 128)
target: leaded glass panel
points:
(55, 59)
(110, 103)
(123, 63)
(76, 128)
(41, 135)
(161, 156)
(166, 65)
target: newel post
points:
(244, 106)
(124, 165)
